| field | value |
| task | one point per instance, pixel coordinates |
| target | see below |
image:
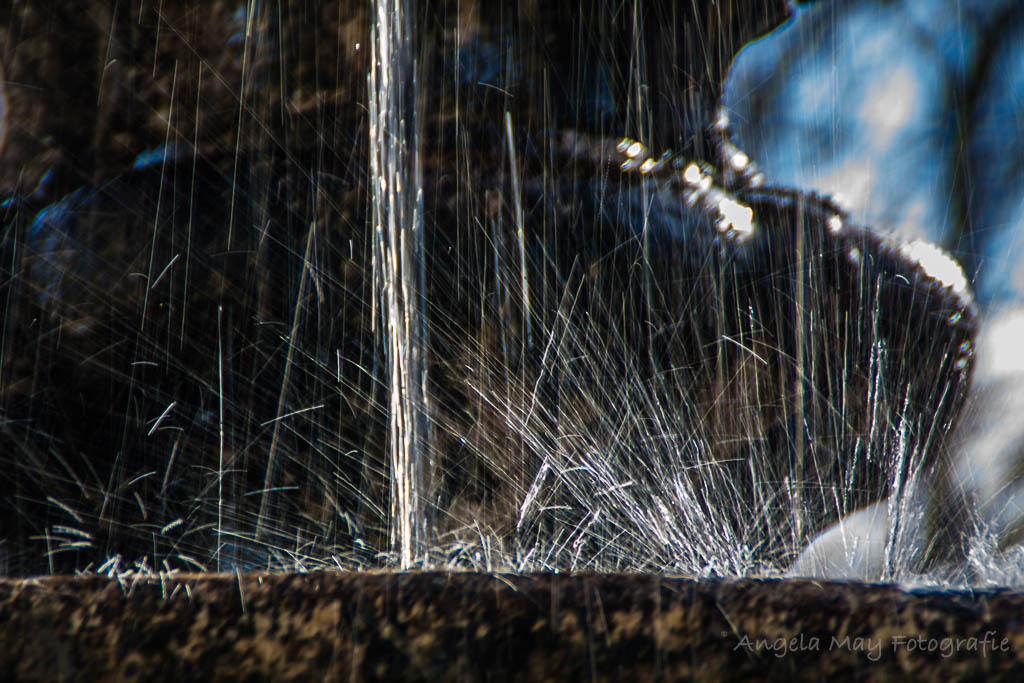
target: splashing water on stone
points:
(502, 290)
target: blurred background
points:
(910, 113)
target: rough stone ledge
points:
(447, 626)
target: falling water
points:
(396, 177)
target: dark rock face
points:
(508, 627)
(192, 327)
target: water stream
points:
(396, 178)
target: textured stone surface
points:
(439, 626)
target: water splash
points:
(602, 456)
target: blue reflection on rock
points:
(908, 112)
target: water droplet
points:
(692, 174)
(735, 217)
